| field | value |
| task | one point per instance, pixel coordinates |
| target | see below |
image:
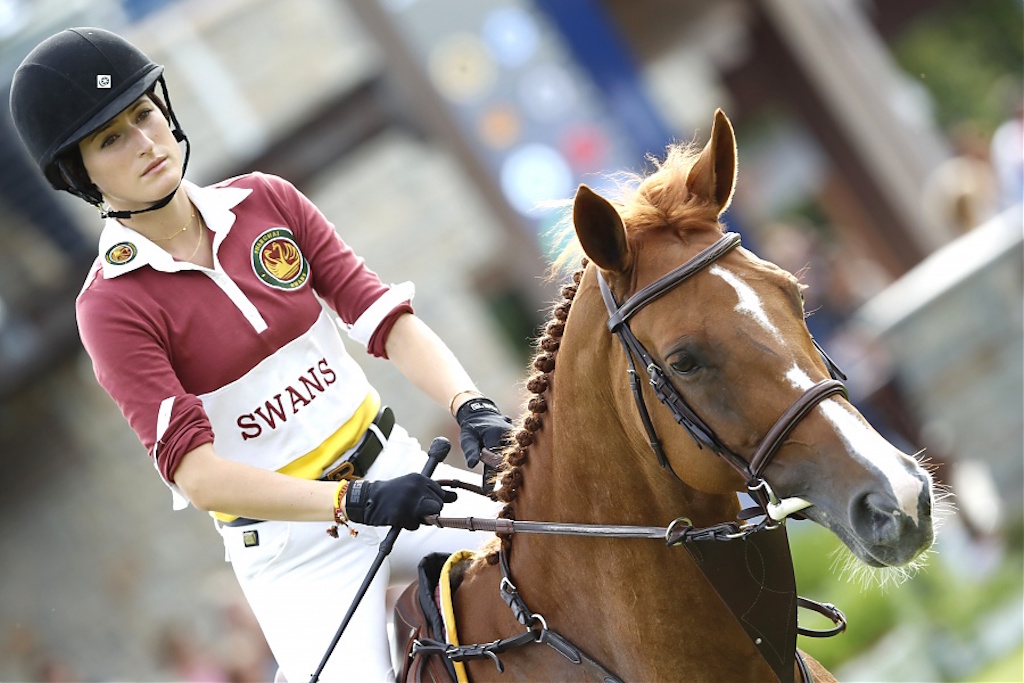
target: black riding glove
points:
(481, 426)
(403, 501)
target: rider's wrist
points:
(461, 397)
(474, 406)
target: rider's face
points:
(133, 159)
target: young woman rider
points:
(203, 319)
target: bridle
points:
(702, 434)
(773, 549)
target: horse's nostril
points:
(878, 519)
(925, 503)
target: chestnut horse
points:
(725, 332)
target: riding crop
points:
(438, 451)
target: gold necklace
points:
(198, 244)
(164, 239)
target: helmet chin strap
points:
(180, 136)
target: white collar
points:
(122, 249)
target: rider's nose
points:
(143, 141)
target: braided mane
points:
(658, 200)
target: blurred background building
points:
(880, 156)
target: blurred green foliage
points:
(1010, 669)
(970, 57)
(949, 600)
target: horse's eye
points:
(683, 364)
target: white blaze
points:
(868, 446)
(749, 303)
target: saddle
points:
(417, 618)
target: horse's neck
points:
(585, 465)
(617, 597)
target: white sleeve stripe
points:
(163, 420)
(179, 501)
(363, 328)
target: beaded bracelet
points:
(340, 518)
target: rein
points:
(680, 531)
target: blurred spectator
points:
(243, 649)
(962, 192)
(23, 189)
(798, 247)
(53, 671)
(180, 653)
(1007, 154)
(237, 654)
(18, 336)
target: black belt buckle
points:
(367, 451)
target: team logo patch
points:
(121, 253)
(277, 261)
(103, 81)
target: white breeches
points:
(300, 582)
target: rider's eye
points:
(683, 364)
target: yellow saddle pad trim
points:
(448, 607)
(312, 464)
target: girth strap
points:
(805, 673)
(559, 643)
(537, 631)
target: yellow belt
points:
(313, 464)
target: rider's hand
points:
(403, 501)
(482, 425)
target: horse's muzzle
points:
(886, 532)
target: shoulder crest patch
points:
(121, 253)
(277, 260)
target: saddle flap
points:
(418, 618)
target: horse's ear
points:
(600, 230)
(713, 176)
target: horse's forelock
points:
(662, 199)
(646, 202)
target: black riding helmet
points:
(71, 84)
